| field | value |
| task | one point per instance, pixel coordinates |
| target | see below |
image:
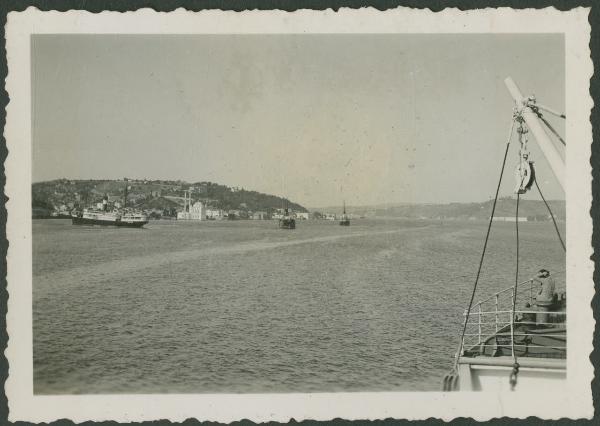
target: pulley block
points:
(524, 176)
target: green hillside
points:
(157, 195)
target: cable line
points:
(562, 243)
(550, 110)
(487, 236)
(515, 370)
(541, 117)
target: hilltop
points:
(150, 195)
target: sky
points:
(369, 119)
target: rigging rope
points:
(541, 117)
(550, 110)
(487, 236)
(562, 243)
(515, 370)
(451, 380)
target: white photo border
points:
(574, 402)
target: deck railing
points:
(495, 316)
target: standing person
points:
(545, 295)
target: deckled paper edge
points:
(575, 403)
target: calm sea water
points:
(232, 307)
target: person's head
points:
(543, 273)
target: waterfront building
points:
(302, 215)
(509, 219)
(259, 215)
(214, 214)
(234, 215)
(195, 211)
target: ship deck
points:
(498, 337)
(530, 340)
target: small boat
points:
(287, 221)
(345, 220)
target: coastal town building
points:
(237, 214)
(509, 219)
(214, 214)
(195, 211)
(259, 216)
(278, 214)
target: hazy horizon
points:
(392, 205)
(372, 119)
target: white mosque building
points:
(196, 211)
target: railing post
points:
(496, 306)
(530, 292)
(462, 343)
(479, 323)
(512, 323)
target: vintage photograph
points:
(288, 213)
(307, 213)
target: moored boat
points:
(114, 218)
(344, 220)
(127, 218)
(287, 221)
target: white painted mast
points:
(557, 163)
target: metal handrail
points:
(527, 346)
(506, 290)
(529, 334)
(502, 313)
(522, 322)
(516, 312)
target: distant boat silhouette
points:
(287, 221)
(345, 221)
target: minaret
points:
(188, 203)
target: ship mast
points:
(525, 108)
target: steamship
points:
(123, 218)
(113, 218)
